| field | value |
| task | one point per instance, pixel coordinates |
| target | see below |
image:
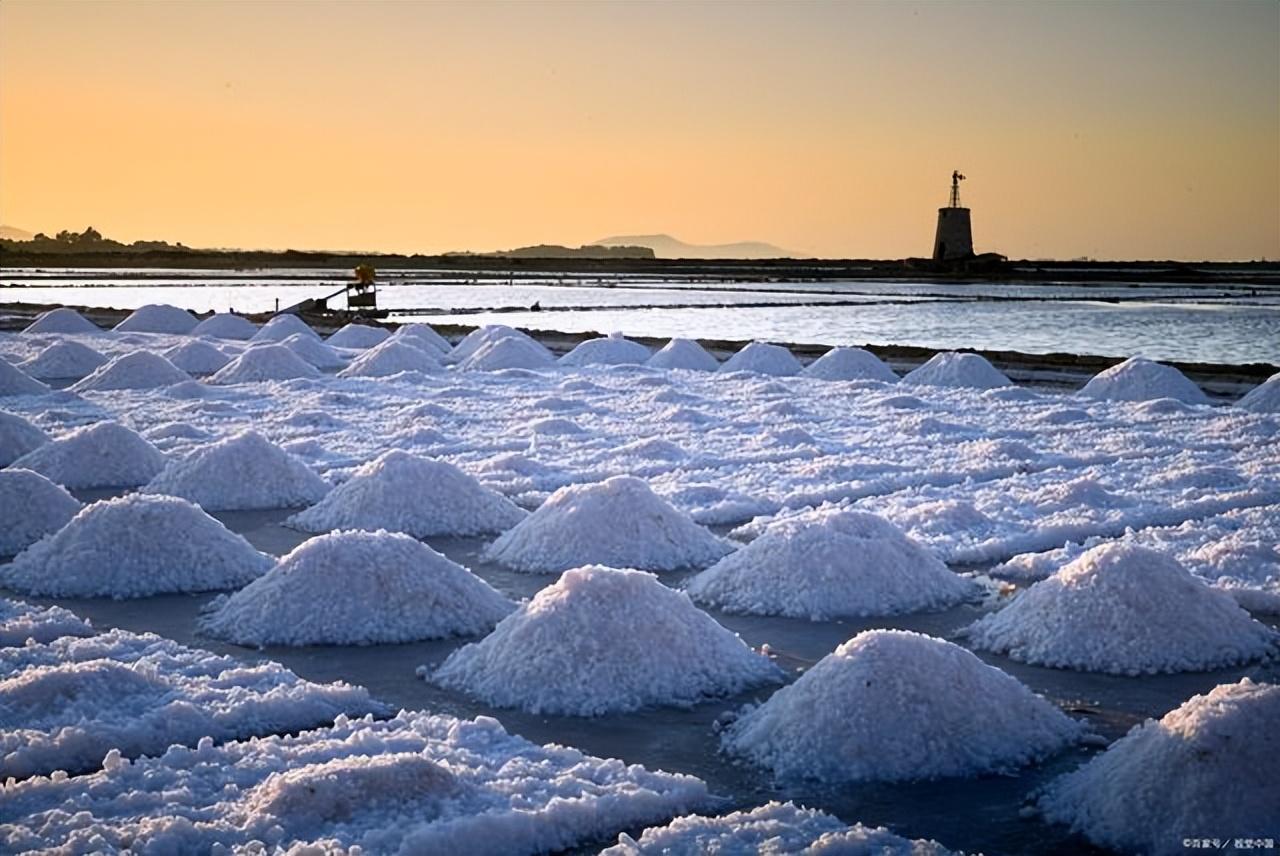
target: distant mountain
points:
(667, 247)
(555, 251)
(12, 233)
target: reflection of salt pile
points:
(63, 359)
(157, 318)
(358, 336)
(1263, 398)
(405, 493)
(684, 354)
(958, 370)
(14, 381)
(763, 359)
(197, 357)
(240, 473)
(282, 327)
(507, 352)
(830, 564)
(134, 370)
(774, 828)
(17, 437)
(423, 334)
(1124, 609)
(264, 363)
(850, 364)
(359, 588)
(1208, 765)
(619, 522)
(389, 358)
(21, 622)
(31, 507)
(894, 705)
(61, 320)
(1137, 379)
(136, 546)
(226, 326)
(611, 350)
(602, 641)
(105, 454)
(314, 351)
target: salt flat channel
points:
(987, 479)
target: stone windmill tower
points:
(954, 238)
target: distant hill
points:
(555, 251)
(67, 242)
(667, 247)
(12, 233)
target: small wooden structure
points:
(361, 294)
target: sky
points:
(1114, 130)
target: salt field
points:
(279, 587)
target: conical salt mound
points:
(158, 318)
(61, 320)
(315, 352)
(389, 358)
(1137, 379)
(684, 354)
(358, 588)
(282, 327)
(850, 364)
(264, 363)
(136, 546)
(774, 828)
(619, 522)
(1263, 398)
(423, 334)
(62, 360)
(613, 350)
(404, 493)
(197, 357)
(241, 473)
(482, 336)
(358, 336)
(105, 454)
(17, 437)
(31, 507)
(830, 564)
(605, 641)
(763, 359)
(1208, 765)
(14, 381)
(1127, 610)
(508, 352)
(893, 705)
(958, 370)
(21, 623)
(226, 326)
(134, 370)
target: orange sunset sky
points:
(1112, 130)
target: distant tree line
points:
(88, 241)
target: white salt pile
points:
(358, 336)
(21, 623)
(892, 705)
(1138, 379)
(197, 357)
(389, 358)
(423, 334)
(17, 437)
(61, 320)
(358, 588)
(1263, 398)
(507, 352)
(611, 350)
(763, 359)
(1205, 769)
(14, 381)
(481, 336)
(314, 351)
(224, 325)
(241, 473)
(405, 493)
(1127, 610)
(31, 507)
(774, 828)
(264, 363)
(828, 564)
(63, 359)
(415, 783)
(602, 641)
(158, 318)
(136, 546)
(619, 522)
(956, 369)
(282, 327)
(683, 354)
(850, 364)
(134, 370)
(105, 454)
